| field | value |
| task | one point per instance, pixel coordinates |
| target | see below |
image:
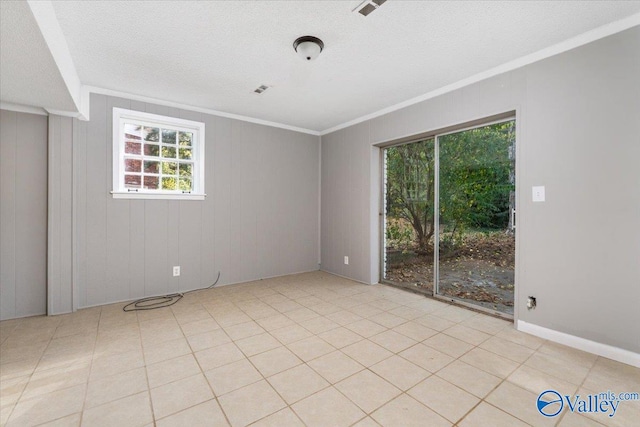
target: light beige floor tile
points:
(393, 341)
(335, 366)
(487, 324)
(11, 389)
(448, 345)
(204, 414)
(444, 398)
(521, 338)
(387, 319)
(366, 422)
(301, 314)
(275, 321)
(243, 330)
(400, 372)
(567, 371)
(179, 395)
(17, 368)
(344, 317)
(537, 381)
(291, 333)
(455, 314)
(158, 352)
(365, 310)
(407, 412)
(72, 420)
(516, 352)
(200, 326)
(567, 354)
(130, 411)
(570, 419)
(325, 308)
(407, 313)
(285, 417)
(48, 407)
(415, 330)
(520, 403)
(228, 319)
(319, 324)
(286, 306)
(468, 335)
(627, 414)
(274, 361)
(314, 409)
(218, 356)
(232, 376)
(434, 322)
(367, 390)
(608, 374)
(55, 379)
(366, 352)
(384, 304)
(208, 340)
(365, 328)
(426, 357)
(469, 378)
(113, 364)
(297, 383)
(257, 344)
(489, 362)
(487, 415)
(264, 401)
(310, 348)
(171, 370)
(115, 387)
(341, 337)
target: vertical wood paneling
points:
(23, 214)
(8, 166)
(222, 146)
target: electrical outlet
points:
(176, 270)
(346, 260)
(537, 193)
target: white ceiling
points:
(213, 54)
(28, 72)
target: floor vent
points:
(261, 89)
(368, 6)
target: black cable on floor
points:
(151, 303)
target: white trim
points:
(23, 108)
(156, 196)
(133, 97)
(579, 40)
(62, 113)
(49, 26)
(604, 350)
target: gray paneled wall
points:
(578, 133)
(259, 219)
(23, 214)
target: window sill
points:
(156, 196)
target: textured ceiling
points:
(28, 73)
(213, 54)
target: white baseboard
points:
(604, 350)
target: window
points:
(157, 157)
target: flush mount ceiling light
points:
(308, 47)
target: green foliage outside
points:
(475, 185)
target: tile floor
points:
(310, 349)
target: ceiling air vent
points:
(368, 6)
(261, 89)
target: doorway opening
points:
(458, 189)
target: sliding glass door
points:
(456, 189)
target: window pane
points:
(132, 165)
(151, 134)
(132, 181)
(151, 150)
(132, 131)
(151, 182)
(185, 184)
(185, 139)
(132, 147)
(169, 168)
(151, 167)
(186, 169)
(169, 152)
(185, 153)
(168, 136)
(169, 183)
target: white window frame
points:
(122, 116)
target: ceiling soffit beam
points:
(47, 21)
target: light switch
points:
(538, 193)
